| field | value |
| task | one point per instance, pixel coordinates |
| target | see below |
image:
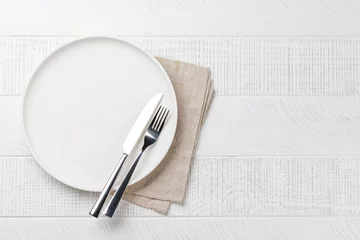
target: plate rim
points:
(59, 48)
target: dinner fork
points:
(151, 136)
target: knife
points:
(136, 132)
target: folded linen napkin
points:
(167, 183)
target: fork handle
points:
(95, 211)
(114, 201)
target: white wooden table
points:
(285, 160)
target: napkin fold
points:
(167, 183)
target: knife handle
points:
(95, 211)
(114, 201)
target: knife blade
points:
(136, 132)
(141, 123)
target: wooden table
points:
(284, 163)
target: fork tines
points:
(159, 119)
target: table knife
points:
(136, 132)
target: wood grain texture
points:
(182, 228)
(180, 17)
(12, 142)
(218, 186)
(249, 66)
(290, 126)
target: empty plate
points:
(82, 101)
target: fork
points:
(151, 136)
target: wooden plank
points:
(289, 126)
(181, 17)
(218, 186)
(243, 126)
(11, 136)
(252, 66)
(182, 228)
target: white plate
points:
(82, 101)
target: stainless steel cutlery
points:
(151, 136)
(131, 140)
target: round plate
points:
(81, 103)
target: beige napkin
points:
(167, 183)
